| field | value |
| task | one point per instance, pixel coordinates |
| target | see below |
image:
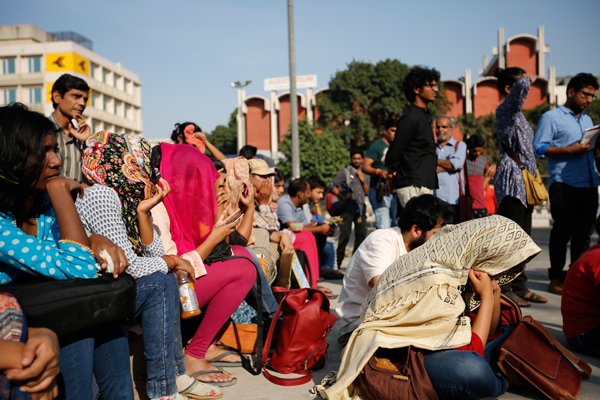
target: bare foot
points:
(214, 351)
(194, 365)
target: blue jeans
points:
(103, 353)
(327, 257)
(157, 301)
(269, 303)
(458, 374)
(385, 210)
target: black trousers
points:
(512, 208)
(574, 213)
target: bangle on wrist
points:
(377, 171)
(174, 261)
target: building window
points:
(93, 70)
(35, 95)
(125, 85)
(115, 79)
(126, 111)
(115, 107)
(104, 74)
(8, 66)
(34, 64)
(94, 126)
(104, 103)
(9, 95)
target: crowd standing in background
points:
(85, 205)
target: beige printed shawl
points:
(417, 301)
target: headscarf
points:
(192, 203)
(417, 301)
(121, 162)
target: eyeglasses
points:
(586, 95)
(432, 86)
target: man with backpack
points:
(351, 187)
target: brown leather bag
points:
(532, 355)
(396, 374)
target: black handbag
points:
(71, 305)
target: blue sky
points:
(186, 52)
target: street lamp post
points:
(241, 121)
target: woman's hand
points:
(100, 243)
(61, 184)
(221, 229)
(265, 193)
(39, 364)
(248, 201)
(285, 243)
(185, 265)
(146, 205)
(481, 283)
(221, 193)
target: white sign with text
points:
(302, 82)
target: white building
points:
(32, 59)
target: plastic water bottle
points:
(187, 295)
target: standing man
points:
(411, 159)
(573, 175)
(351, 186)
(451, 156)
(69, 99)
(384, 205)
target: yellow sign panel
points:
(65, 62)
(49, 93)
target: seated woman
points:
(418, 301)
(117, 206)
(41, 235)
(189, 227)
(190, 133)
(29, 361)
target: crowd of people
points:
(76, 204)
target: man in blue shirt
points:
(451, 156)
(573, 175)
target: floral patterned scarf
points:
(121, 162)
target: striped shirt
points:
(69, 150)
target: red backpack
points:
(302, 344)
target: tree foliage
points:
(366, 94)
(321, 154)
(593, 110)
(224, 137)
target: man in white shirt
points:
(421, 218)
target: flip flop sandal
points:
(324, 289)
(212, 371)
(520, 301)
(201, 390)
(533, 297)
(215, 361)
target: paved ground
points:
(257, 387)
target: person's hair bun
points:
(498, 71)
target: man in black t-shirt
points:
(411, 159)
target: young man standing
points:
(69, 99)
(350, 185)
(411, 159)
(573, 175)
(383, 203)
(424, 216)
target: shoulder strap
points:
(584, 369)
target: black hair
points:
(179, 128)
(417, 78)
(356, 150)
(508, 76)
(68, 82)
(218, 164)
(425, 211)
(475, 140)
(297, 186)
(315, 182)
(582, 80)
(279, 175)
(248, 152)
(22, 159)
(389, 123)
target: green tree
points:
(593, 111)
(224, 137)
(366, 94)
(321, 154)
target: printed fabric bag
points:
(71, 305)
(535, 190)
(302, 345)
(393, 374)
(531, 355)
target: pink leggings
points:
(221, 291)
(306, 242)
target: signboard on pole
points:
(302, 82)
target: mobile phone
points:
(74, 123)
(245, 191)
(234, 217)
